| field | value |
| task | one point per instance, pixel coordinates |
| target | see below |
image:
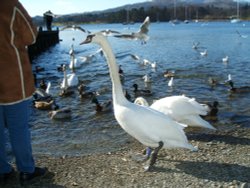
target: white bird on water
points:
(74, 63)
(142, 34)
(204, 53)
(69, 80)
(150, 127)
(171, 82)
(225, 59)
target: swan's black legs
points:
(154, 156)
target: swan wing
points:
(180, 105)
(183, 109)
(150, 126)
(72, 80)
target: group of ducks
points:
(159, 125)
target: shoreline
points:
(223, 160)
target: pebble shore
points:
(222, 160)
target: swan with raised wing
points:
(181, 108)
(69, 80)
(150, 127)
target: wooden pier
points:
(44, 41)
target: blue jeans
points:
(15, 118)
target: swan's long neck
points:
(117, 92)
(72, 58)
(66, 84)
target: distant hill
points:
(159, 10)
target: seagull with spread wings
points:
(142, 34)
(75, 27)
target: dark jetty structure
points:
(44, 41)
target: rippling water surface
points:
(171, 47)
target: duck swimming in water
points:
(243, 89)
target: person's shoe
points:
(25, 176)
(4, 177)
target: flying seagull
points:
(75, 27)
(142, 34)
(109, 32)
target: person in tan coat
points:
(16, 89)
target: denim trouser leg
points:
(4, 165)
(17, 117)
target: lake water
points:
(171, 47)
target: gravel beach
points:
(223, 160)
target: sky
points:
(38, 7)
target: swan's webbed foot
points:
(142, 157)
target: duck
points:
(39, 69)
(150, 127)
(102, 107)
(180, 108)
(138, 92)
(212, 110)
(195, 45)
(121, 73)
(44, 105)
(41, 95)
(43, 85)
(212, 81)
(60, 68)
(66, 92)
(243, 89)
(87, 94)
(63, 113)
(169, 74)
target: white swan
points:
(171, 82)
(150, 127)
(181, 108)
(225, 59)
(153, 65)
(48, 88)
(74, 63)
(147, 78)
(69, 80)
(87, 58)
